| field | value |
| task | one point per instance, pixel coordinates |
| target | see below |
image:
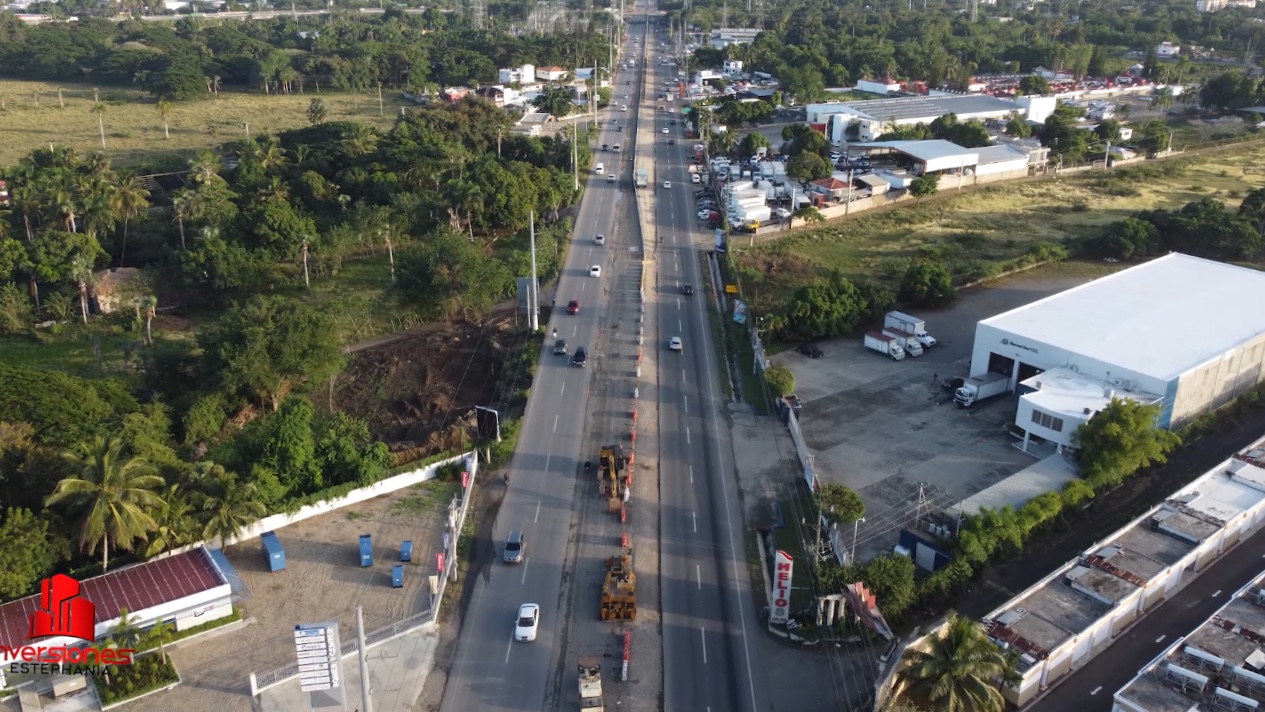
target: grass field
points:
(975, 232)
(32, 116)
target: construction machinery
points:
(590, 674)
(619, 590)
(612, 476)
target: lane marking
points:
(1161, 639)
(510, 647)
(698, 572)
(564, 389)
(525, 563)
(1095, 690)
(547, 458)
(686, 400)
(682, 375)
(536, 519)
(691, 474)
(555, 423)
(701, 631)
(695, 516)
(1216, 593)
(687, 435)
(678, 302)
(680, 327)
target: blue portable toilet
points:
(273, 552)
(397, 576)
(406, 550)
(366, 550)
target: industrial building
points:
(1063, 621)
(939, 156)
(874, 117)
(1219, 665)
(185, 590)
(1177, 331)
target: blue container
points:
(406, 550)
(366, 550)
(273, 552)
(397, 576)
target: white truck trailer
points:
(907, 342)
(590, 683)
(884, 344)
(642, 177)
(981, 388)
(906, 324)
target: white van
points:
(600, 169)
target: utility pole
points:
(366, 701)
(533, 298)
(575, 153)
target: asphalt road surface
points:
(706, 589)
(491, 671)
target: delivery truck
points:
(906, 324)
(642, 177)
(907, 342)
(884, 344)
(981, 388)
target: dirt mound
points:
(418, 393)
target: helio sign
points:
(781, 608)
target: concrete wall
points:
(1023, 418)
(1018, 165)
(1218, 382)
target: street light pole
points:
(855, 529)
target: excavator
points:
(612, 476)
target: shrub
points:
(780, 380)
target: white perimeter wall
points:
(1020, 163)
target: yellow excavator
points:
(619, 590)
(612, 475)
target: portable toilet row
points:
(366, 550)
(273, 553)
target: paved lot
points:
(322, 581)
(882, 427)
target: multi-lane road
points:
(490, 671)
(707, 614)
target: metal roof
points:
(929, 108)
(1160, 319)
(999, 154)
(924, 151)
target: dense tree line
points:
(1204, 228)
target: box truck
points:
(907, 342)
(884, 344)
(981, 388)
(906, 324)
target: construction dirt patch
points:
(418, 393)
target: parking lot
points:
(882, 427)
(322, 581)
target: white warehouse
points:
(874, 117)
(1181, 331)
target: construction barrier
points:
(623, 673)
(623, 514)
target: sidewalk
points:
(397, 669)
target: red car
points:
(573, 307)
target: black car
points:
(811, 350)
(671, 142)
(952, 383)
(580, 358)
(687, 289)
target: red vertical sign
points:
(439, 562)
(465, 479)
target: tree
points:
(260, 350)
(164, 112)
(447, 276)
(957, 671)
(1228, 91)
(316, 112)
(99, 109)
(111, 493)
(1121, 439)
(81, 272)
(890, 578)
(924, 185)
(555, 100)
(1163, 99)
(160, 633)
(127, 632)
(1034, 84)
(751, 144)
(31, 551)
(1251, 209)
(780, 379)
(228, 506)
(840, 504)
(818, 310)
(1108, 130)
(927, 284)
(129, 199)
(174, 522)
(1127, 238)
(1018, 127)
(807, 167)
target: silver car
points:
(515, 548)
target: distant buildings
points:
(517, 75)
(878, 86)
(872, 118)
(1168, 50)
(724, 36)
(1215, 5)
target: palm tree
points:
(228, 506)
(175, 524)
(130, 198)
(149, 306)
(126, 633)
(204, 167)
(112, 492)
(179, 209)
(960, 671)
(81, 273)
(164, 113)
(1163, 99)
(160, 634)
(99, 109)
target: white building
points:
(1215, 5)
(1167, 50)
(1062, 622)
(185, 590)
(731, 67)
(873, 117)
(878, 86)
(1177, 330)
(517, 75)
(550, 74)
(722, 37)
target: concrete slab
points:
(397, 669)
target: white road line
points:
(680, 326)
(695, 516)
(687, 435)
(678, 302)
(555, 423)
(1095, 690)
(564, 389)
(1216, 593)
(682, 375)
(701, 631)
(691, 474)
(575, 330)
(536, 519)
(698, 572)
(508, 648)
(1161, 639)
(686, 401)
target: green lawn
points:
(975, 231)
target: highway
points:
(490, 671)
(707, 612)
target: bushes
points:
(927, 284)
(780, 380)
(145, 674)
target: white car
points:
(694, 178)
(599, 240)
(610, 178)
(667, 184)
(528, 622)
(674, 343)
(665, 129)
(782, 213)
(704, 214)
(595, 271)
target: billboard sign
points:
(320, 656)
(782, 568)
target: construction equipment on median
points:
(612, 478)
(619, 590)
(590, 673)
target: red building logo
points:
(64, 612)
